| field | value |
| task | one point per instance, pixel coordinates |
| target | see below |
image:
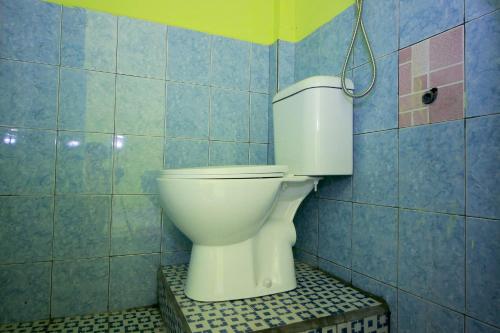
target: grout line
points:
(56, 145)
(210, 78)
(465, 218)
(464, 73)
(72, 259)
(136, 76)
(352, 227)
(79, 195)
(480, 16)
(249, 98)
(418, 92)
(113, 155)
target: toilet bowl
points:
(241, 227)
(240, 218)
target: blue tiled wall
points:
(419, 221)
(91, 107)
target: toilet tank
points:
(313, 127)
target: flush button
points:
(267, 283)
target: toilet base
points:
(261, 265)
(241, 270)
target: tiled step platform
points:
(319, 304)
(139, 320)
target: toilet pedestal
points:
(258, 266)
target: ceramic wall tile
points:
(188, 108)
(432, 167)
(86, 101)
(375, 178)
(335, 227)
(336, 187)
(307, 57)
(258, 154)
(25, 292)
(81, 226)
(476, 8)
(381, 23)
(136, 226)
(173, 240)
(432, 254)
(273, 67)
(418, 315)
(137, 160)
(388, 293)
(335, 37)
(175, 258)
(135, 36)
(474, 326)
(30, 30)
(80, 287)
(482, 269)
(229, 115)
(420, 19)
(270, 154)
(28, 94)
(140, 106)
(181, 153)
(228, 153)
(306, 225)
(286, 64)
(28, 161)
(230, 63)
(483, 158)
(334, 269)
(133, 281)
(375, 242)
(305, 257)
(379, 109)
(89, 39)
(188, 56)
(84, 162)
(482, 70)
(26, 223)
(259, 68)
(259, 104)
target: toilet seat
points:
(227, 172)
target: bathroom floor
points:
(140, 320)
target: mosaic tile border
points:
(320, 304)
(139, 320)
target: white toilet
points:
(240, 218)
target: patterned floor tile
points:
(136, 320)
(141, 320)
(34, 326)
(318, 295)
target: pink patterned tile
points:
(448, 75)
(405, 119)
(405, 79)
(405, 55)
(447, 48)
(449, 104)
(410, 102)
(420, 58)
(420, 117)
(420, 83)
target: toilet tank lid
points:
(230, 171)
(312, 82)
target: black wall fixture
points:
(430, 96)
